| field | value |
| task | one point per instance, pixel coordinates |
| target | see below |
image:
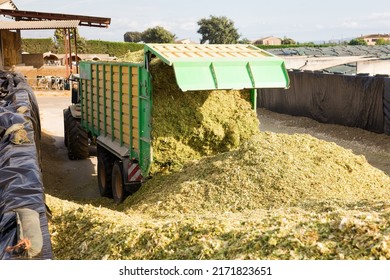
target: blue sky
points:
(301, 20)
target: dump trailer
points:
(113, 108)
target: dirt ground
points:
(66, 179)
(77, 180)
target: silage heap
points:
(269, 171)
(274, 196)
(189, 125)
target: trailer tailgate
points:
(210, 67)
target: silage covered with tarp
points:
(23, 222)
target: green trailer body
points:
(116, 107)
(117, 98)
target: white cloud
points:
(189, 26)
(378, 16)
(379, 19)
(126, 23)
(351, 24)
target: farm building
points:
(14, 20)
(371, 39)
(270, 40)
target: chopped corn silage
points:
(269, 171)
(292, 197)
(264, 196)
(189, 125)
(86, 232)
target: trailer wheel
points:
(118, 190)
(77, 141)
(105, 163)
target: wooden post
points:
(75, 49)
(66, 52)
(70, 51)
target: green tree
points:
(382, 41)
(244, 41)
(132, 37)
(59, 36)
(288, 41)
(218, 30)
(158, 34)
(356, 42)
(41, 45)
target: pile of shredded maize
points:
(232, 192)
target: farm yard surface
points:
(298, 189)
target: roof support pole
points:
(66, 52)
(70, 50)
(75, 50)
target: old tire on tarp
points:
(29, 234)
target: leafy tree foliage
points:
(40, 45)
(244, 41)
(158, 34)
(117, 49)
(132, 37)
(218, 30)
(355, 42)
(288, 41)
(59, 37)
(382, 41)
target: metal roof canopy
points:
(41, 20)
(26, 25)
(39, 16)
(229, 66)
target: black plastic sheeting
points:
(372, 51)
(355, 101)
(386, 106)
(20, 171)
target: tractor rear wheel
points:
(77, 140)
